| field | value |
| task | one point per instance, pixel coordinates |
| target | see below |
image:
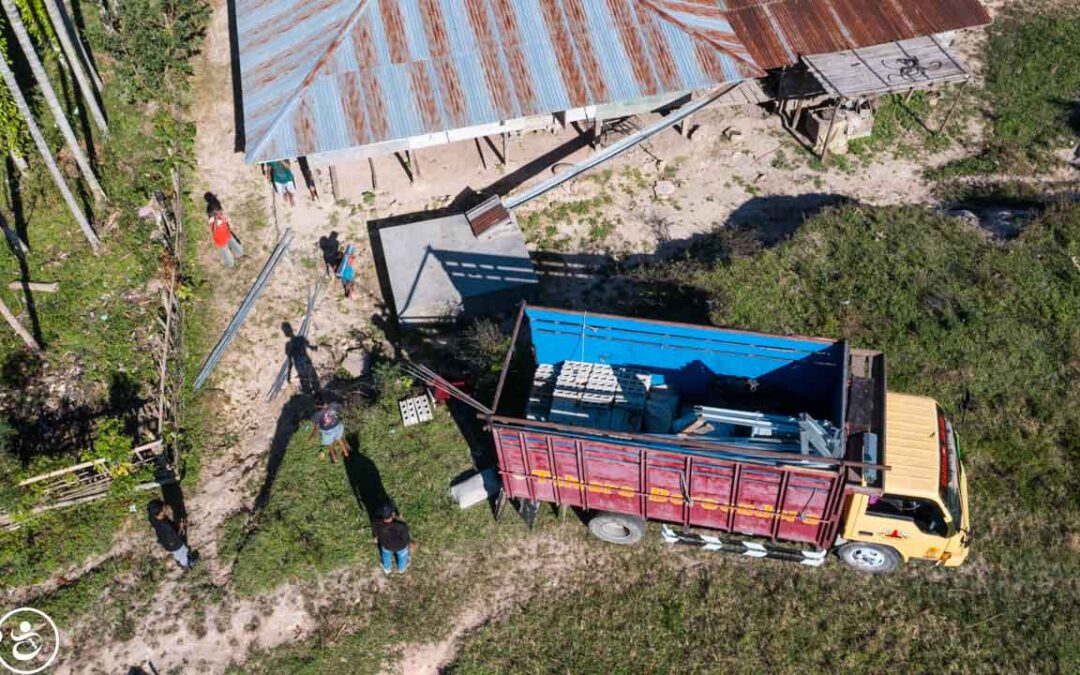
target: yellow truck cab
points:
(921, 513)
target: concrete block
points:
(476, 488)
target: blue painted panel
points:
(691, 357)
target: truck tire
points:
(617, 528)
(870, 558)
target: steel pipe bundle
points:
(431, 378)
(245, 307)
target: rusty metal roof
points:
(325, 75)
(778, 32)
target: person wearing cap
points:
(392, 536)
(330, 428)
(169, 534)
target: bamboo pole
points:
(60, 27)
(42, 79)
(17, 327)
(46, 154)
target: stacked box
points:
(594, 395)
(543, 386)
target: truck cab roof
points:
(911, 446)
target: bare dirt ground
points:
(724, 173)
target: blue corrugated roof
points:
(330, 75)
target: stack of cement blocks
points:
(539, 405)
(596, 395)
(571, 385)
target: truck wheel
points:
(870, 558)
(617, 528)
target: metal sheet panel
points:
(777, 32)
(330, 75)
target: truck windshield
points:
(950, 468)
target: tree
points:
(60, 27)
(43, 148)
(17, 327)
(42, 79)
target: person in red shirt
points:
(221, 232)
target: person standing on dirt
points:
(346, 271)
(221, 231)
(331, 430)
(169, 534)
(284, 182)
(392, 536)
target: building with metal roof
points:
(344, 79)
(386, 75)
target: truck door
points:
(915, 527)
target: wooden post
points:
(374, 179)
(480, 151)
(36, 286)
(414, 163)
(335, 189)
(504, 139)
(19, 330)
(597, 128)
(828, 134)
(952, 108)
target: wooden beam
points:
(51, 287)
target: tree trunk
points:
(60, 27)
(17, 327)
(42, 79)
(43, 148)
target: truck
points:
(771, 446)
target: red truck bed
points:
(778, 502)
(764, 487)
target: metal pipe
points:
(242, 312)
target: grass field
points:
(317, 518)
(1032, 84)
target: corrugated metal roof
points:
(778, 32)
(327, 75)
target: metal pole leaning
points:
(242, 312)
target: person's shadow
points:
(331, 252)
(365, 481)
(296, 351)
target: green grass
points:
(900, 127)
(108, 601)
(313, 521)
(101, 327)
(716, 613)
(542, 226)
(1032, 84)
(58, 539)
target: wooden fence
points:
(88, 481)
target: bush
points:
(153, 42)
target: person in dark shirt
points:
(392, 536)
(169, 534)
